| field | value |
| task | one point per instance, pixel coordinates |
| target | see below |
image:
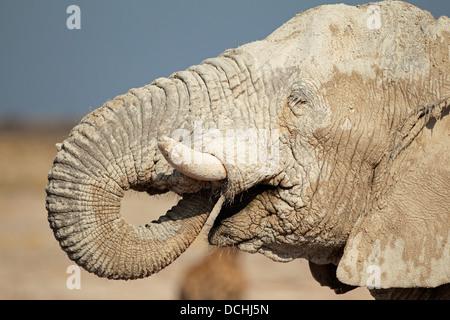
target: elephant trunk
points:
(125, 145)
(112, 150)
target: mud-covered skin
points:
(344, 124)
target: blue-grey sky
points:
(47, 70)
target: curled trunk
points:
(112, 150)
(115, 148)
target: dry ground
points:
(32, 266)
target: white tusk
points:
(195, 164)
(58, 146)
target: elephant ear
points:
(403, 241)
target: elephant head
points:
(328, 140)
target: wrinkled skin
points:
(360, 117)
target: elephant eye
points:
(296, 99)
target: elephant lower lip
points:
(222, 232)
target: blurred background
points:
(51, 76)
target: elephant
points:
(328, 140)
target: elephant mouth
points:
(233, 226)
(247, 223)
(224, 231)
